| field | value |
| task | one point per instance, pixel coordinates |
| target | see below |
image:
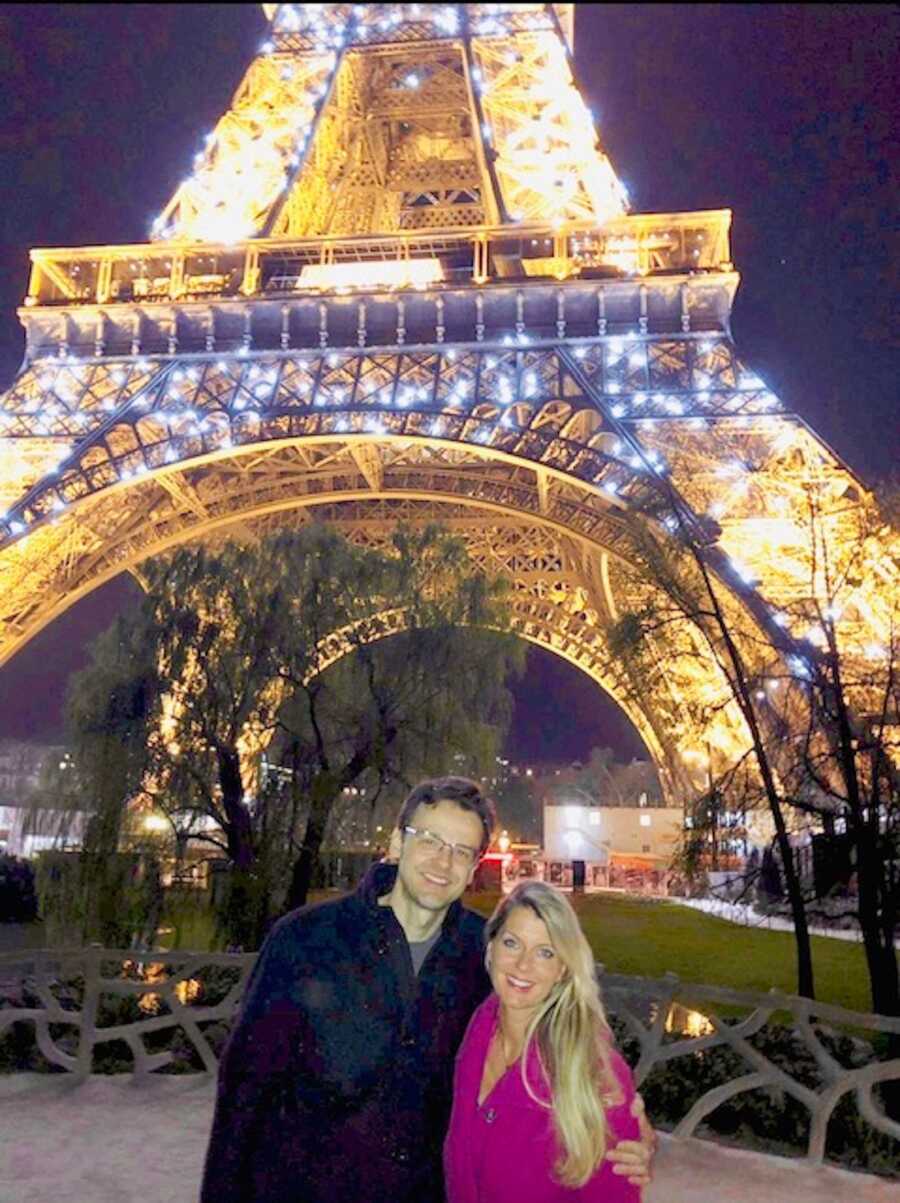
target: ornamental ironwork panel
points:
(77, 1002)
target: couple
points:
(337, 1084)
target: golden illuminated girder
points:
(69, 557)
(368, 119)
(99, 534)
(393, 150)
(794, 523)
(377, 23)
(549, 165)
(242, 170)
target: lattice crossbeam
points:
(548, 162)
(249, 156)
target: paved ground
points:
(114, 1141)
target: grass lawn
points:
(647, 937)
(636, 936)
(188, 927)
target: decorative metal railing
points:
(83, 999)
(793, 1050)
(638, 245)
(800, 1057)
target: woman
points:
(540, 1094)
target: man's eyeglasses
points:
(429, 842)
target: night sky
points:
(783, 113)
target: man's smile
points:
(435, 880)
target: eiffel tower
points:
(403, 283)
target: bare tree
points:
(844, 773)
(684, 597)
(820, 703)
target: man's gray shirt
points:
(420, 951)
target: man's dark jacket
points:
(335, 1085)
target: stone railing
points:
(77, 1003)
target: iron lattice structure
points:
(403, 282)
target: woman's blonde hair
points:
(571, 1033)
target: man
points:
(335, 1086)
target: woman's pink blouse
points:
(504, 1150)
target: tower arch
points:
(384, 304)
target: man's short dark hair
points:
(465, 793)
